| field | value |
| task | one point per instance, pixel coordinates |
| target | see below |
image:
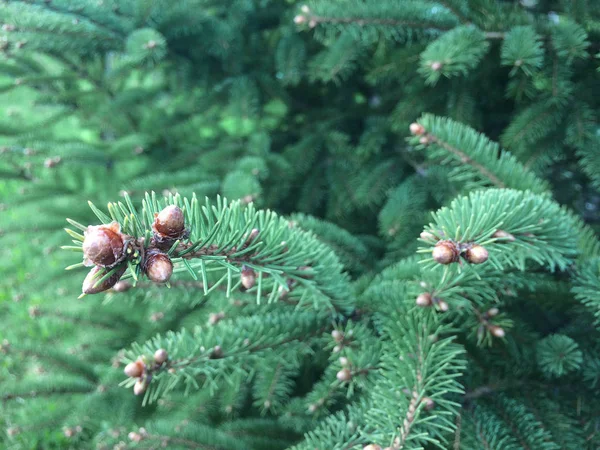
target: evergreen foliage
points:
(388, 235)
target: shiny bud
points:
(102, 245)
(424, 299)
(337, 335)
(445, 252)
(436, 65)
(135, 369)
(477, 254)
(91, 285)
(492, 312)
(248, 277)
(501, 234)
(170, 222)
(344, 375)
(299, 19)
(427, 236)
(158, 266)
(344, 361)
(417, 129)
(442, 305)
(160, 356)
(372, 447)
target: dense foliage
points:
(333, 224)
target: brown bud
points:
(299, 19)
(497, 331)
(344, 361)
(477, 254)
(170, 222)
(337, 335)
(424, 299)
(122, 286)
(160, 356)
(135, 437)
(427, 236)
(344, 375)
(215, 318)
(492, 312)
(135, 369)
(158, 266)
(436, 65)
(248, 277)
(429, 404)
(102, 245)
(91, 285)
(141, 386)
(424, 140)
(417, 129)
(501, 234)
(217, 352)
(372, 447)
(445, 252)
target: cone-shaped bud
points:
(102, 245)
(445, 252)
(427, 236)
(497, 331)
(248, 277)
(135, 369)
(160, 356)
(299, 19)
(169, 222)
(140, 386)
(501, 234)
(337, 335)
(417, 129)
(344, 361)
(344, 375)
(424, 140)
(372, 447)
(91, 285)
(424, 299)
(492, 312)
(477, 254)
(442, 305)
(158, 266)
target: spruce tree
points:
(332, 224)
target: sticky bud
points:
(344, 375)
(445, 252)
(501, 234)
(337, 335)
(160, 356)
(477, 254)
(417, 129)
(134, 369)
(497, 331)
(248, 277)
(140, 386)
(158, 266)
(102, 245)
(91, 285)
(424, 299)
(170, 222)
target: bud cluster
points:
(143, 372)
(448, 252)
(486, 324)
(425, 300)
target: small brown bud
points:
(497, 331)
(424, 299)
(372, 447)
(337, 335)
(158, 266)
(501, 234)
(312, 23)
(217, 352)
(417, 129)
(436, 65)
(160, 356)
(477, 254)
(140, 386)
(135, 369)
(69, 432)
(445, 252)
(248, 277)
(299, 19)
(135, 437)
(122, 286)
(424, 140)
(344, 361)
(215, 318)
(344, 375)
(337, 349)
(102, 245)
(91, 285)
(170, 222)
(51, 162)
(305, 9)
(312, 408)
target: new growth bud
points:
(160, 356)
(445, 252)
(417, 129)
(497, 331)
(102, 245)
(91, 285)
(344, 375)
(477, 254)
(248, 277)
(169, 223)
(337, 335)
(140, 386)
(158, 266)
(424, 299)
(135, 369)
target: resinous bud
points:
(170, 222)
(158, 267)
(91, 285)
(102, 245)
